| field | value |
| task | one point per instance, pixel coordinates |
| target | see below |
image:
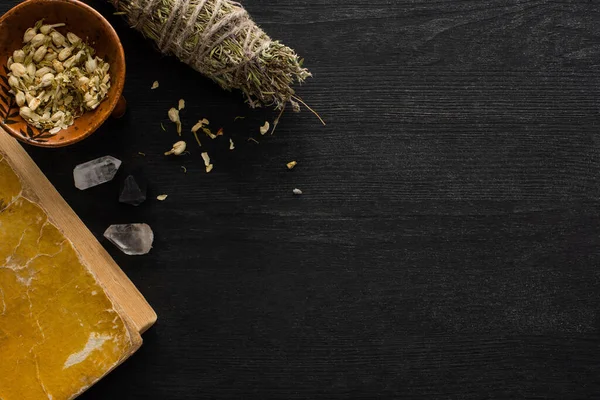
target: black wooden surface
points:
(447, 242)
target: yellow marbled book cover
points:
(59, 331)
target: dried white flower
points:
(50, 56)
(92, 104)
(58, 39)
(154, 85)
(91, 64)
(73, 59)
(20, 98)
(38, 40)
(45, 29)
(34, 103)
(42, 71)
(29, 34)
(65, 53)
(58, 66)
(73, 38)
(13, 81)
(45, 96)
(297, 192)
(18, 56)
(57, 116)
(40, 53)
(162, 197)
(47, 80)
(265, 128)
(178, 149)
(291, 164)
(31, 70)
(28, 114)
(18, 70)
(83, 82)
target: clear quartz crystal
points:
(95, 172)
(131, 239)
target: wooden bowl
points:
(89, 25)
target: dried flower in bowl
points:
(54, 79)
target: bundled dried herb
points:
(219, 39)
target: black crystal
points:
(133, 190)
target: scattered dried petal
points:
(184, 169)
(265, 128)
(181, 104)
(178, 149)
(209, 133)
(206, 158)
(231, 145)
(291, 164)
(162, 197)
(207, 163)
(297, 192)
(197, 139)
(220, 132)
(174, 117)
(154, 85)
(197, 127)
(200, 124)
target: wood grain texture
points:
(447, 242)
(126, 298)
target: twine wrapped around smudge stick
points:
(219, 39)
